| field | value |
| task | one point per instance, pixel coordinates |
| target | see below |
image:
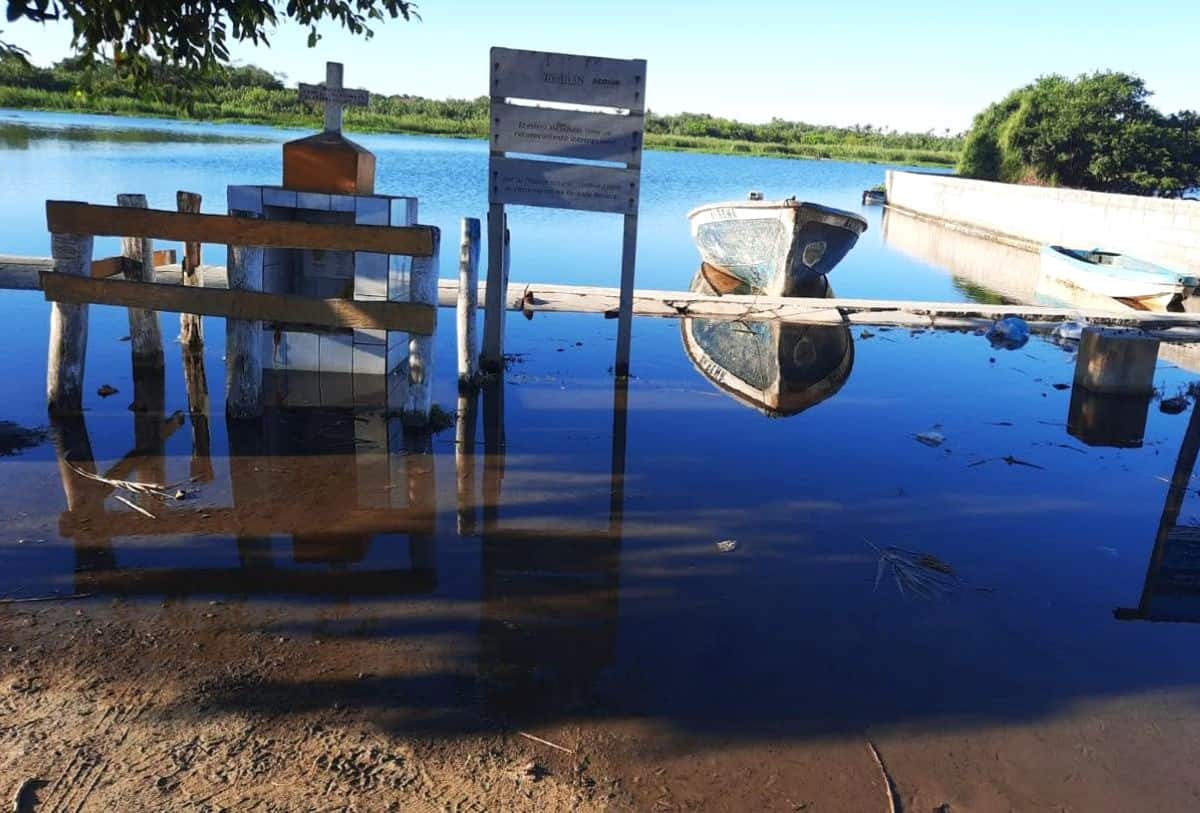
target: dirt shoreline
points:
(191, 705)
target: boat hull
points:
(774, 247)
(1138, 283)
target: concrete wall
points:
(1161, 231)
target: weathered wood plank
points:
(21, 273)
(84, 218)
(235, 304)
(566, 133)
(559, 185)
(572, 78)
(243, 336)
(67, 357)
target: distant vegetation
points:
(253, 95)
(1095, 132)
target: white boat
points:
(774, 247)
(1136, 282)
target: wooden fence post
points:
(243, 339)
(494, 304)
(423, 290)
(67, 356)
(468, 303)
(191, 326)
(145, 337)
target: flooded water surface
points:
(689, 594)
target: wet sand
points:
(191, 705)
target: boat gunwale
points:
(829, 215)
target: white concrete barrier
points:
(1160, 230)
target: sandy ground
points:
(199, 706)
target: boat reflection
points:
(779, 369)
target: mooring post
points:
(191, 326)
(67, 356)
(468, 303)
(243, 338)
(423, 290)
(625, 308)
(145, 337)
(494, 302)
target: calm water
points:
(575, 577)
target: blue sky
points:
(912, 66)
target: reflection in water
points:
(1117, 421)
(21, 136)
(338, 483)
(548, 624)
(1172, 588)
(331, 480)
(777, 368)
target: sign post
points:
(598, 114)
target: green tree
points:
(195, 34)
(1096, 132)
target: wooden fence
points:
(72, 283)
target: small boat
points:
(777, 368)
(774, 247)
(1138, 283)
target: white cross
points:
(333, 96)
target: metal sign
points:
(525, 86)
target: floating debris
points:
(1062, 386)
(1009, 333)
(163, 492)
(1068, 331)
(727, 545)
(1173, 405)
(1010, 460)
(106, 390)
(933, 439)
(922, 574)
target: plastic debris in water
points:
(934, 439)
(1068, 331)
(1009, 333)
(727, 545)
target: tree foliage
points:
(1096, 132)
(195, 33)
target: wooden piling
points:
(145, 337)
(423, 290)
(243, 339)
(67, 356)
(196, 382)
(468, 303)
(495, 295)
(191, 326)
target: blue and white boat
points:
(775, 248)
(1136, 282)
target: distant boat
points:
(777, 368)
(774, 247)
(1136, 282)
